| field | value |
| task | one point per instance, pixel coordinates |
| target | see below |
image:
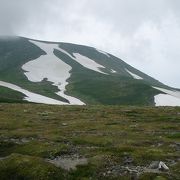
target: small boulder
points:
(128, 160)
(162, 166)
(64, 124)
(158, 165)
(154, 165)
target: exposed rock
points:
(64, 124)
(159, 144)
(154, 165)
(128, 160)
(162, 166)
(25, 140)
(19, 141)
(175, 145)
(2, 158)
(119, 170)
(68, 162)
(133, 126)
(158, 165)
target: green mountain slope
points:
(114, 84)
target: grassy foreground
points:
(118, 142)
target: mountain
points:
(65, 73)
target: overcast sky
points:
(144, 33)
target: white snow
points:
(171, 98)
(84, 61)
(31, 97)
(113, 71)
(102, 52)
(65, 52)
(166, 100)
(50, 67)
(163, 166)
(88, 63)
(135, 76)
(170, 92)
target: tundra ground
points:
(88, 142)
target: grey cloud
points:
(14, 14)
(143, 33)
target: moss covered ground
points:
(119, 142)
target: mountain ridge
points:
(75, 74)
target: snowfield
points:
(102, 52)
(88, 63)
(166, 100)
(85, 61)
(113, 71)
(170, 92)
(52, 68)
(135, 76)
(32, 97)
(171, 98)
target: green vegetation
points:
(87, 85)
(111, 138)
(9, 96)
(110, 62)
(13, 55)
(95, 88)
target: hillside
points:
(64, 73)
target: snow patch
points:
(102, 52)
(166, 100)
(135, 76)
(32, 97)
(113, 71)
(51, 68)
(84, 61)
(171, 98)
(170, 92)
(67, 162)
(88, 63)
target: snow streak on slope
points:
(85, 61)
(88, 63)
(102, 52)
(50, 67)
(170, 92)
(135, 76)
(31, 97)
(113, 71)
(171, 98)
